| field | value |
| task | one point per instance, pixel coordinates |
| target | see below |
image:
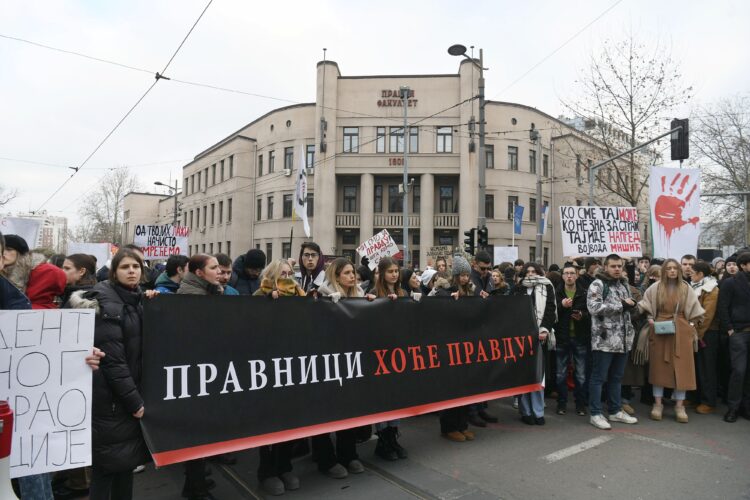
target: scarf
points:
(539, 285)
(287, 287)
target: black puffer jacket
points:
(582, 326)
(118, 443)
(734, 302)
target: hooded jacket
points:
(611, 327)
(165, 285)
(240, 281)
(194, 285)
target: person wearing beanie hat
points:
(11, 297)
(590, 267)
(426, 280)
(246, 271)
(718, 264)
(15, 242)
(460, 266)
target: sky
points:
(57, 107)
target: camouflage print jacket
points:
(611, 328)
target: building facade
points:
(237, 194)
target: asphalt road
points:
(566, 458)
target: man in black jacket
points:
(573, 335)
(734, 313)
(481, 274)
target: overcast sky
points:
(57, 107)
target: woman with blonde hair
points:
(277, 280)
(341, 281)
(672, 310)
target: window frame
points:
(513, 158)
(444, 141)
(351, 139)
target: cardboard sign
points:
(101, 251)
(161, 241)
(379, 246)
(45, 379)
(600, 231)
(28, 229)
(505, 254)
(440, 251)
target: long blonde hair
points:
(668, 286)
(272, 272)
(334, 271)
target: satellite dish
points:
(457, 50)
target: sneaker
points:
(468, 435)
(291, 482)
(539, 421)
(515, 403)
(623, 417)
(704, 409)
(273, 486)
(628, 409)
(338, 471)
(139, 469)
(355, 467)
(561, 409)
(455, 436)
(600, 422)
(581, 411)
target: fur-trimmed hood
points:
(79, 301)
(18, 273)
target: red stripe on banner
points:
(207, 450)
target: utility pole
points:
(536, 137)
(482, 219)
(174, 220)
(405, 98)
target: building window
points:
(512, 158)
(545, 165)
(213, 174)
(578, 169)
(221, 212)
(415, 238)
(287, 206)
(445, 240)
(490, 155)
(397, 140)
(289, 158)
(258, 207)
(219, 249)
(414, 139)
(185, 219)
(532, 254)
(198, 217)
(416, 198)
(395, 200)
(545, 204)
(380, 139)
(231, 166)
(191, 220)
(349, 239)
(444, 140)
(378, 202)
(269, 252)
(350, 199)
(310, 205)
(512, 204)
(210, 248)
(260, 165)
(546, 256)
(532, 161)
(199, 179)
(310, 155)
(286, 250)
(229, 210)
(447, 204)
(185, 185)
(269, 207)
(204, 248)
(579, 203)
(532, 209)
(271, 161)
(489, 206)
(229, 248)
(192, 184)
(221, 173)
(205, 215)
(205, 178)
(213, 214)
(351, 139)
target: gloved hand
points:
(335, 297)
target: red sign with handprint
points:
(675, 210)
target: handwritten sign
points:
(161, 241)
(45, 379)
(505, 254)
(379, 246)
(600, 231)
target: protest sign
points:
(379, 246)
(45, 379)
(505, 254)
(440, 251)
(28, 229)
(600, 231)
(674, 198)
(161, 241)
(347, 364)
(101, 251)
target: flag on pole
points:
(517, 219)
(543, 220)
(300, 195)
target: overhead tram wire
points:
(157, 77)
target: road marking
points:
(575, 449)
(675, 446)
(239, 483)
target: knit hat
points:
(716, 261)
(590, 261)
(427, 276)
(460, 266)
(731, 258)
(255, 259)
(15, 242)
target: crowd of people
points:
(678, 331)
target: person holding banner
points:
(540, 289)
(277, 280)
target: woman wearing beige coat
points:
(671, 362)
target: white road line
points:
(675, 446)
(575, 449)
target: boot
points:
(656, 411)
(400, 451)
(383, 448)
(680, 414)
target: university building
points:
(237, 194)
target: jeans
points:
(38, 486)
(676, 395)
(739, 381)
(576, 351)
(111, 486)
(532, 403)
(606, 367)
(708, 368)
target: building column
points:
(366, 206)
(426, 217)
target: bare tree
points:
(721, 148)
(103, 209)
(7, 195)
(625, 97)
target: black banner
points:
(222, 374)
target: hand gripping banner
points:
(222, 374)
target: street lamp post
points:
(174, 189)
(405, 97)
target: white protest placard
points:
(379, 246)
(28, 229)
(600, 231)
(159, 241)
(505, 254)
(99, 250)
(47, 383)
(675, 202)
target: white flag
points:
(300, 195)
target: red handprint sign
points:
(674, 207)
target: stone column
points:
(366, 206)
(426, 217)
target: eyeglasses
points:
(285, 274)
(570, 273)
(484, 268)
(309, 255)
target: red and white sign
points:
(379, 246)
(600, 231)
(675, 196)
(160, 241)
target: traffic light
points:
(680, 140)
(482, 238)
(469, 240)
